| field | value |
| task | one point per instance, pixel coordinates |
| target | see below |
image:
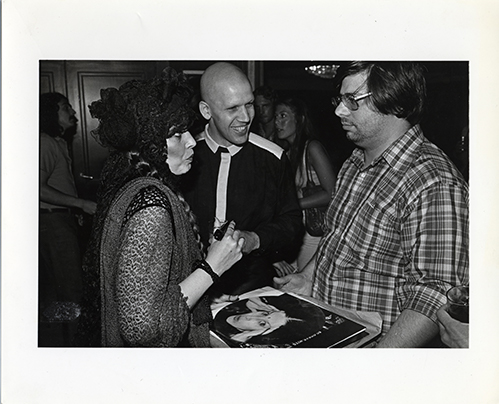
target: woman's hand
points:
(226, 252)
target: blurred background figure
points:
(309, 161)
(263, 124)
(60, 281)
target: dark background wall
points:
(81, 81)
(443, 123)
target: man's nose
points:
(244, 115)
(341, 110)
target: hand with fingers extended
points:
(226, 252)
(296, 283)
(284, 268)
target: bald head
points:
(227, 103)
(218, 77)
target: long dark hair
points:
(304, 131)
(49, 114)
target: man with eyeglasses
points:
(398, 223)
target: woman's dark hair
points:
(305, 320)
(398, 88)
(49, 114)
(304, 130)
(134, 123)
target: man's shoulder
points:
(266, 145)
(48, 143)
(47, 138)
(431, 166)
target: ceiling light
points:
(323, 71)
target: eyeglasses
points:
(349, 100)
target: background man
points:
(398, 221)
(240, 176)
(263, 125)
(59, 252)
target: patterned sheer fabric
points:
(147, 249)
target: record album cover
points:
(283, 321)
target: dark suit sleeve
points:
(285, 232)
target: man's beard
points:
(69, 133)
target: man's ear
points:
(204, 108)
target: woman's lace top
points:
(148, 247)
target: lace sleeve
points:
(151, 311)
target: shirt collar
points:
(233, 149)
(403, 150)
(400, 152)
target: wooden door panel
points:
(52, 77)
(85, 80)
(81, 81)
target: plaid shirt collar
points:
(399, 154)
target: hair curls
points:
(134, 123)
(49, 114)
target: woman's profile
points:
(144, 268)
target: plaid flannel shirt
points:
(397, 232)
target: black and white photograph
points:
(118, 256)
(190, 190)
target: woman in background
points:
(305, 153)
(145, 273)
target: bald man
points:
(240, 176)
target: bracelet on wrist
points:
(202, 264)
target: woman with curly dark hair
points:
(144, 269)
